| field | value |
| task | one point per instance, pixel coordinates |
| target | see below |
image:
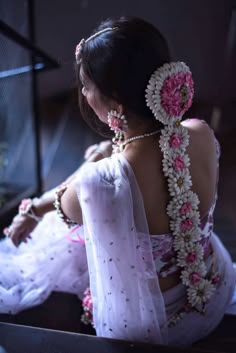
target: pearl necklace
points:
(131, 139)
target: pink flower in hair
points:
(177, 93)
(195, 277)
(175, 141)
(191, 257)
(78, 50)
(179, 164)
(185, 208)
(186, 225)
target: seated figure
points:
(141, 219)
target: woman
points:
(146, 214)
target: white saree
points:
(127, 301)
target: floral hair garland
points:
(169, 95)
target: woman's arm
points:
(23, 224)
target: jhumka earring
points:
(118, 123)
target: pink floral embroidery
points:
(160, 246)
(186, 224)
(179, 164)
(177, 93)
(175, 141)
(185, 208)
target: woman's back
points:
(146, 160)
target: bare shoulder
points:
(202, 139)
(198, 126)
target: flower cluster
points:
(184, 217)
(87, 317)
(170, 91)
(169, 94)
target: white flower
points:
(182, 240)
(201, 293)
(180, 183)
(192, 254)
(187, 275)
(169, 88)
(183, 205)
(186, 224)
(169, 134)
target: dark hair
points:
(120, 63)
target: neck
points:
(121, 146)
(140, 127)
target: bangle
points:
(57, 204)
(26, 209)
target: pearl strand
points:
(131, 139)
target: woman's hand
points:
(104, 149)
(20, 229)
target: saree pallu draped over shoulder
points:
(127, 300)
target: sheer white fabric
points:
(48, 262)
(128, 303)
(123, 280)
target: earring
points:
(118, 123)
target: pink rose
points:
(87, 291)
(115, 123)
(177, 93)
(175, 141)
(186, 225)
(191, 257)
(195, 277)
(185, 208)
(179, 164)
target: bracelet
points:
(57, 204)
(26, 209)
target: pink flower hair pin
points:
(78, 50)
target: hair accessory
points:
(119, 125)
(57, 204)
(26, 209)
(78, 50)
(170, 91)
(79, 47)
(169, 94)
